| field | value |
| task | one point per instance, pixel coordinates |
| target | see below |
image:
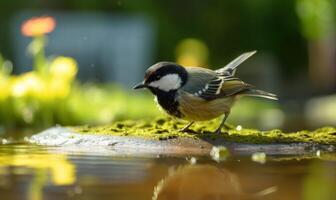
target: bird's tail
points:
(259, 93)
(230, 69)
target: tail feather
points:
(230, 69)
(259, 93)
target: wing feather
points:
(235, 86)
(208, 85)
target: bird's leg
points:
(218, 131)
(186, 128)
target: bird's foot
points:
(183, 130)
(186, 130)
(228, 126)
(218, 131)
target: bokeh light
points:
(192, 52)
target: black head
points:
(164, 76)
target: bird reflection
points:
(202, 182)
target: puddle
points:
(35, 172)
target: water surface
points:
(35, 172)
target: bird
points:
(196, 93)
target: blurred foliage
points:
(94, 104)
(49, 93)
(317, 17)
(227, 27)
(41, 100)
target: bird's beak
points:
(139, 86)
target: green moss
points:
(166, 128)
(160, 129)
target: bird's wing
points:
(211, 89)
(230, 69)
(202, 82)
(208, 85)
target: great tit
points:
(198, 94)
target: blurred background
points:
(74, 62)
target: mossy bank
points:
(166, 128)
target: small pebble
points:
(318, 153)
(259, 157)
(4, 141)
(219, 153)
(192, 160)
(239, 128)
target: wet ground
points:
(35, 172)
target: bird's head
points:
(164, 77)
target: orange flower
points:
(38, 26)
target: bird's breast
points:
(194, 108)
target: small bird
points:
(198, 94)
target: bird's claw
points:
(218, 131)
(229, 126)
(185, 130)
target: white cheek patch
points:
(167, 82)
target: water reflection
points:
(62, 172)
(20, 161)
(320, 183)
(198, 182)
(35, 173)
